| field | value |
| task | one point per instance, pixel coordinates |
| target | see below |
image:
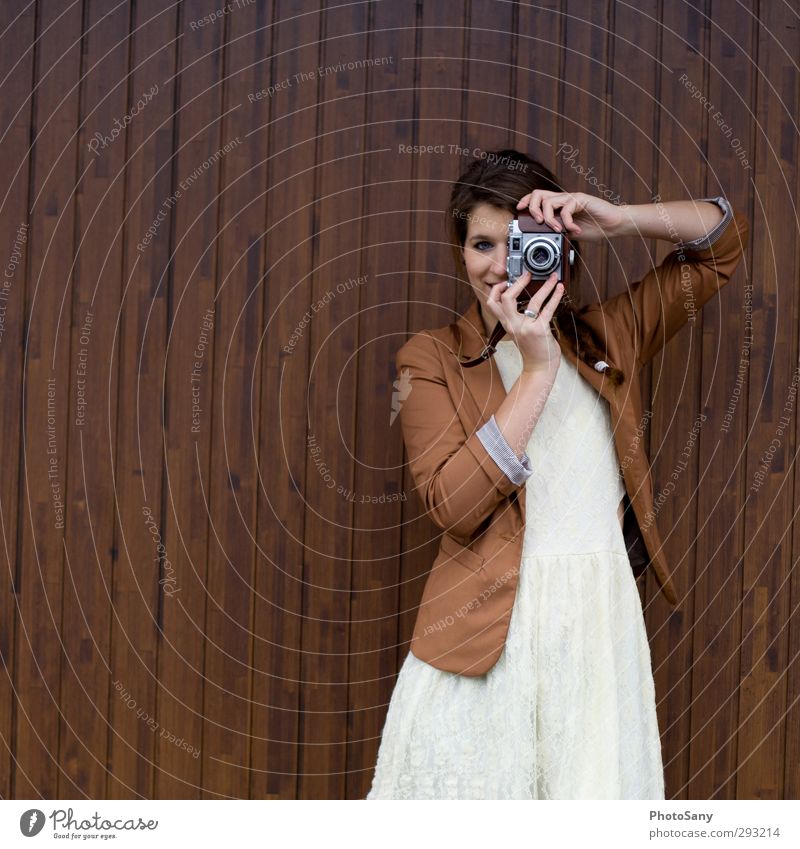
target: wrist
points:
(629, 221)
(548, 369)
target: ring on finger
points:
(532, 314)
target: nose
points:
(499, 262)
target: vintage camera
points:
(541, 251)
(536, 248)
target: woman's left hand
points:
(586, 217)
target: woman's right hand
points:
(539, 349)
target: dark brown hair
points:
(500, 178)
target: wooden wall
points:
(212, 250)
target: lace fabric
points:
(568, 711)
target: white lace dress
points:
(568, 711)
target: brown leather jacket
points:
(468, 597)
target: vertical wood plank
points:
(254, 655)
(45, 403)
(196, 703)
(436, 292)
(764, 766)
(236, 392)
(540, 57)
(340, 158)
(674, 399)
(378, 496)
(787, 152)
(586, 116)
(717, 577)
(488, 105)
(17, 23)
(635, 73)
(289, 118)
(139, 469)
(635, 141)
(92, 382)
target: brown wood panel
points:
(716, 610)
(488, 110)
(585, 113)
(45, 400)
(432, 286)
(290, 129)
(91, 379)
(630, 176)
(263, 208)
(787, 153)
(539, 63)
(765, 768)
(674, 402)
(378, 493)
(328, 535)
(17, 20)
(204, 696)
(141, 330)
(237, 392)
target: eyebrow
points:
(482, 237)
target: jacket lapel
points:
(485, 390)
(484, 383)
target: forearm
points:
(676, 221)
(459, 481)
(517, 416)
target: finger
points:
(495, 292)
(566, 216)
(525, 273)
(546, 314)
(524, 201)
(543, 291)
(534, 206)
(568, 213)
(549, 213)
(499, 289)
(495, 307)
(492, 307)
(516, 287)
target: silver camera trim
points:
(554, 251)
(516, 262)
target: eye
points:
(484, 242)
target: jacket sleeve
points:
(519, 469)
(655, 308)
(458, 480)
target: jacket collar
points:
(484, 382)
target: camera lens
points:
(541, 256)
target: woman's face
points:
(484, 253)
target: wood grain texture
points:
(679, 172)
(141, 328)
(377, 494)
(211, 283)
(16, 114)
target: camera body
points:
(541, 251)
(536, 248)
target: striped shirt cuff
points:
(705, 242)
(517, 470)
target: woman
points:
(529, 675)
